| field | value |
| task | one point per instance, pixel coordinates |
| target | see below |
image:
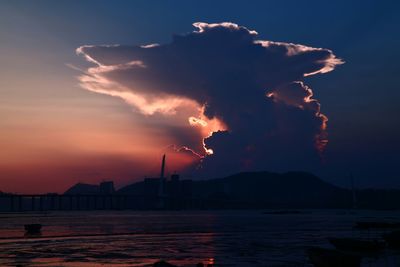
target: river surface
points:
(184, 238)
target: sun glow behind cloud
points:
(94, 81)
(212, 80)
(207, 127)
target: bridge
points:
(45, 202)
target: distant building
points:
(175, 177)
(151, 187)
(161, 193)
(186, 188)
(177, 188)
(107, 187)
(174, 186)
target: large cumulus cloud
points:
(246, 97)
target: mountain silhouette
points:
(255, 190)
(81, 188)
(263, 189)
(267, 189)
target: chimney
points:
(162, 167)
(162, 178)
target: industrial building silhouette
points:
(154, 193)
(246, 190)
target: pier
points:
(47, 202)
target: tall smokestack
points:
(162, 179)
(162, 167)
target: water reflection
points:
(141, 238)
(32, 235)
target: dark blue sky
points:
(360, 97)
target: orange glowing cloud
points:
(224, 87)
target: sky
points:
(58, 128)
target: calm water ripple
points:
(227, 238)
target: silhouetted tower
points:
(161, 188)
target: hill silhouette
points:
(263, 189)
(267, 189)
(82, 188)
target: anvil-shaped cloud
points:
(247, 97)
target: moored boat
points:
(33, 228)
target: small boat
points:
(393, 239)
(322, 257)
(357, 245)
(34, 228)
(377, 225)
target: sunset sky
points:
(86, 95)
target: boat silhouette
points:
(34, 228)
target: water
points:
(185, 238)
